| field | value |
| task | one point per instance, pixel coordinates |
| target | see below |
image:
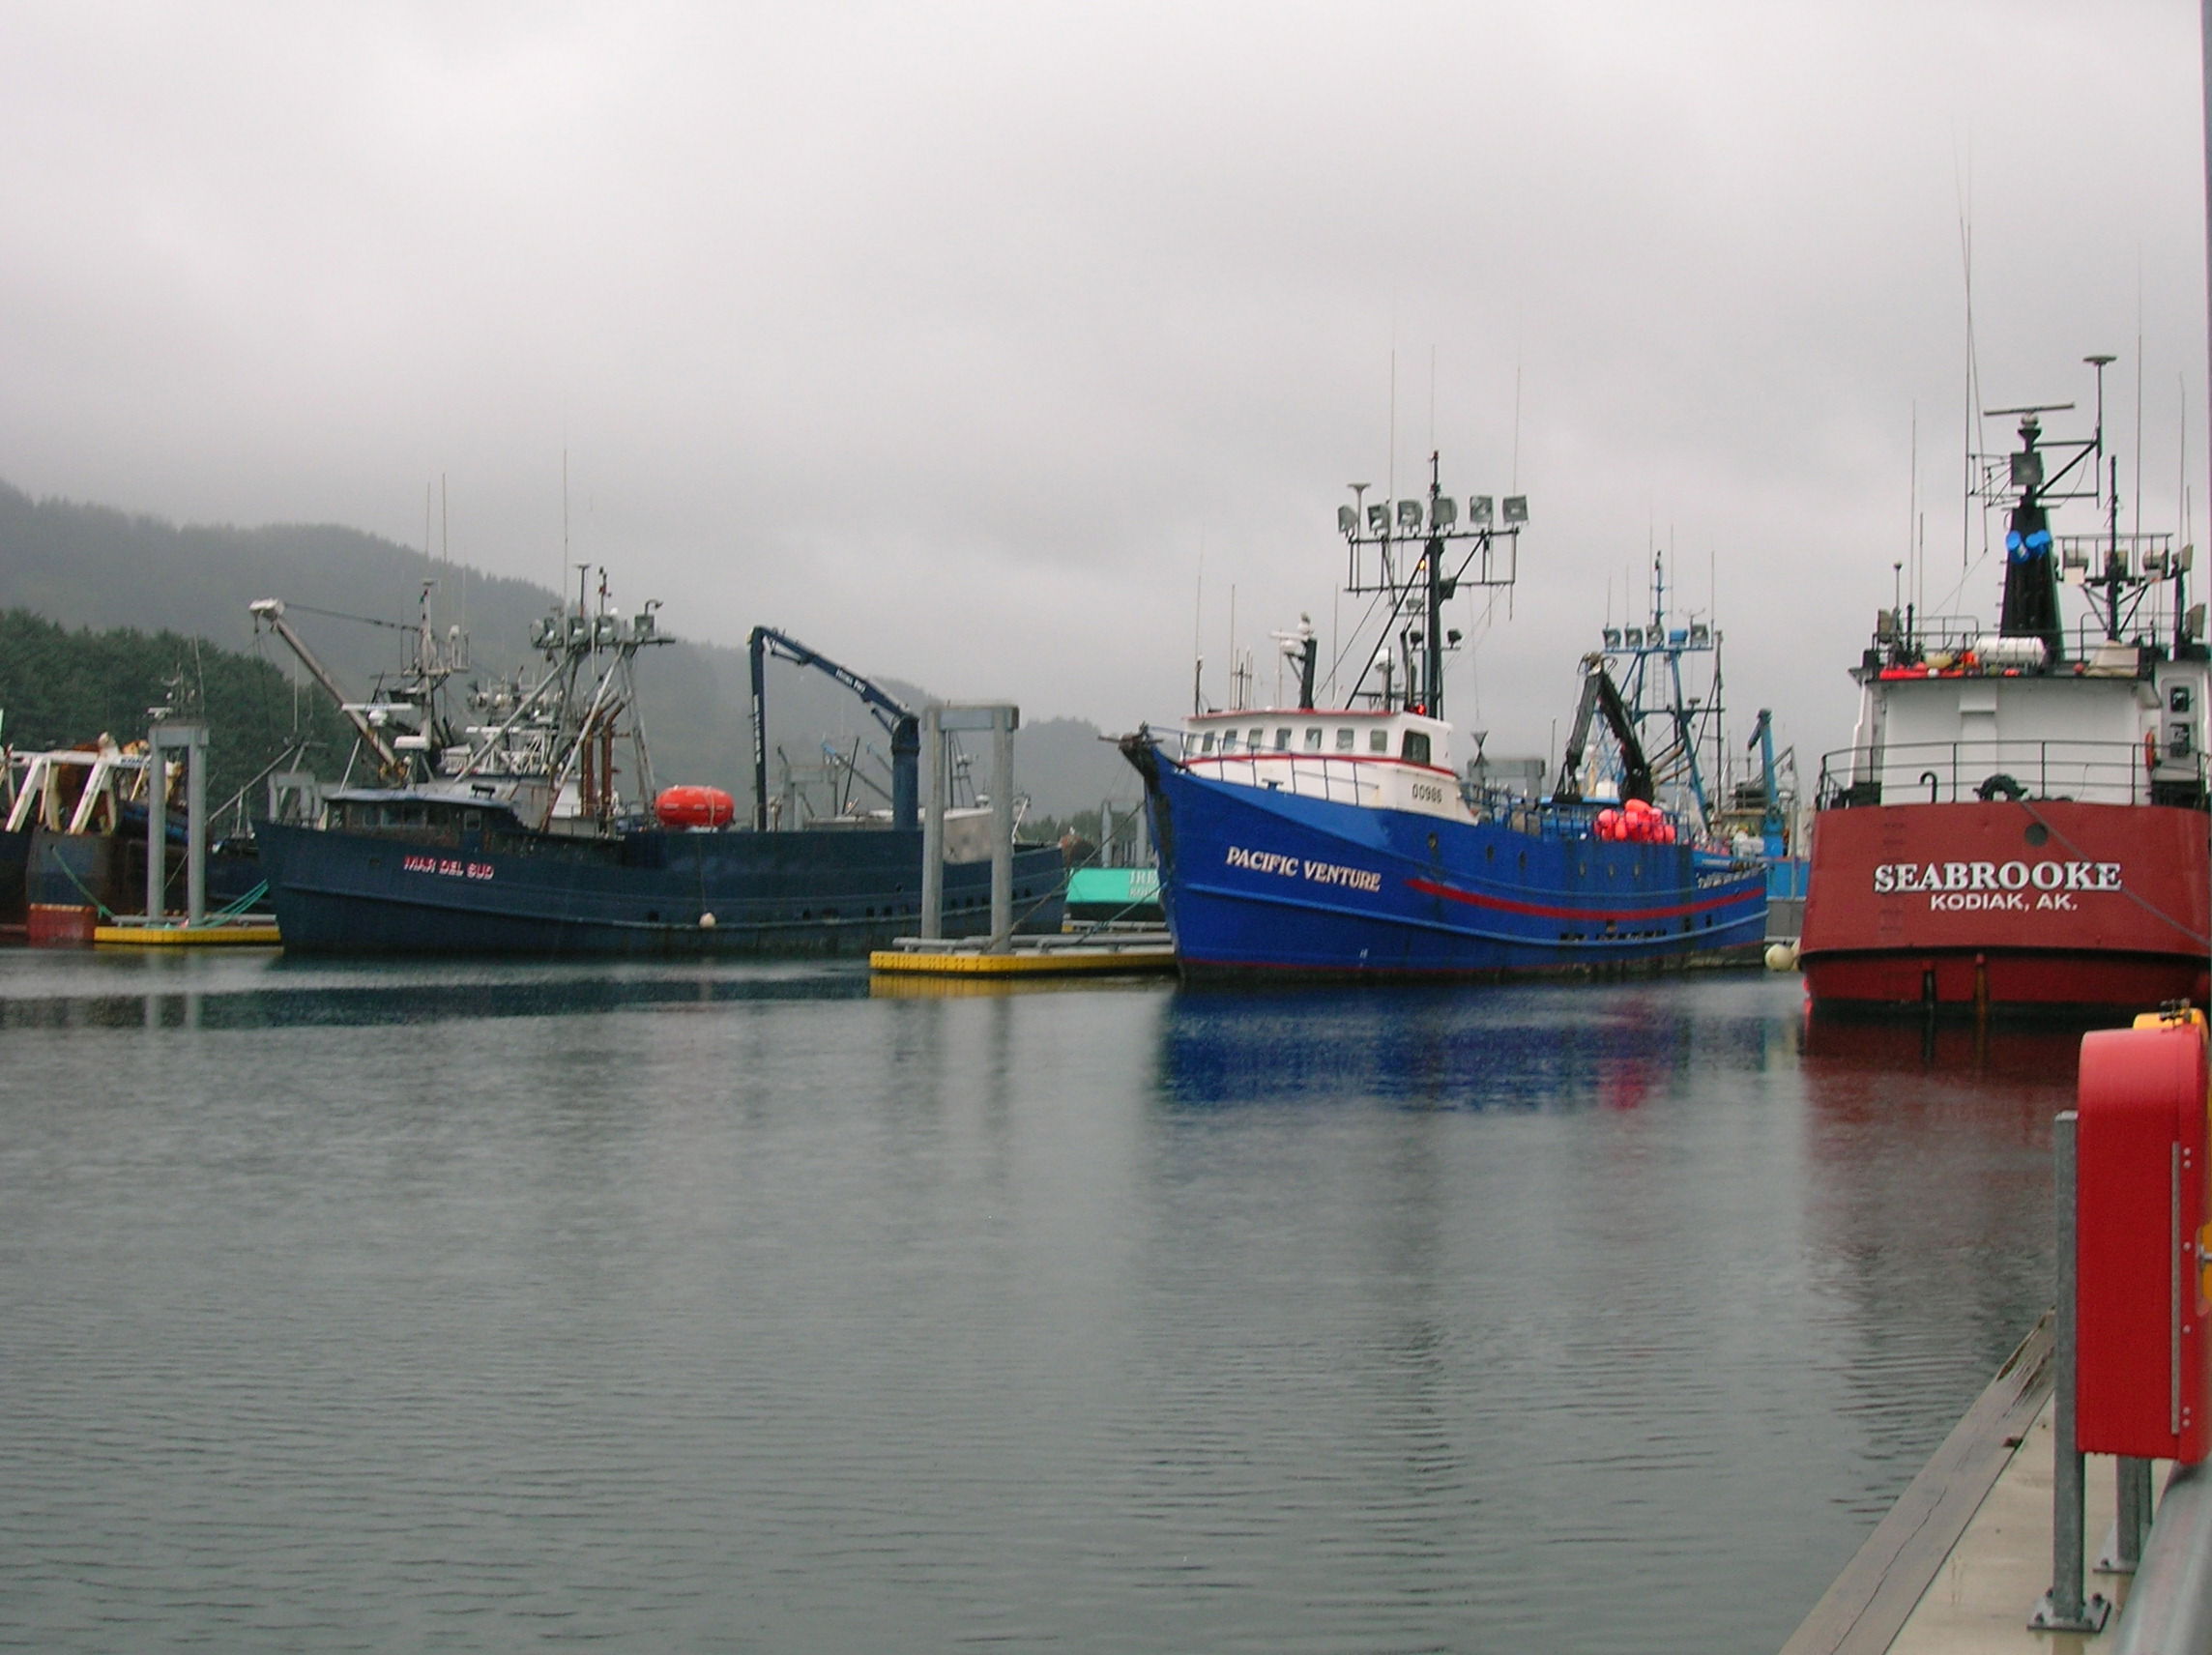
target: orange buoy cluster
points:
(694, 807)
(1635, 823)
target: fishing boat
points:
(73, 843)
(511, 832)
(1342, 843)
(2020, 817)
(1658, 665)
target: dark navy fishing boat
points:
(1342, 843)
(508, 836)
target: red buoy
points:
(694, 807)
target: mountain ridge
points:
(85, 565)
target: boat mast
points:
(1433, 558)
(1490, 558)
(2205, 36)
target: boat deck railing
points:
(1346, 778)
(1341, 778)
(1951, 772)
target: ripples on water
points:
(676, 1308)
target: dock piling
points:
(2123, 1550)
(2064, 1607)
(1001, 718)
(190, 740)
(933, 790)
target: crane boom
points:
(903, 728)
(1773, 824)
(1600, 695)
(388, 759)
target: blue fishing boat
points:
(1341, 842)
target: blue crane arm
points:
(1773, 826)
(903, 728)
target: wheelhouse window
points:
(1228, 740)
(1206, 742)
(1343, 740)
(1255, 740)
(1416, 748)
(1379, 740)
(1282, 740)
(1313, 740)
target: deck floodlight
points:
(2193, 622)
(1443, 512)
(1478, 510)
(2028, 468)
(2185, 560)
(1700, 635)
(1378, 518)
(1347, 520)
(1634, 637)
(2155, 563)
(1516, 509)
(1410, 515)
(1613, 637)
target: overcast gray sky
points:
(952, 338)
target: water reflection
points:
(1929, 1154)
(1536, 1047)
(394, 1000)
(1119, 1318)
(2036, 1053)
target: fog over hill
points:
(89, 565)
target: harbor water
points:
(460, 1306)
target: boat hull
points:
(652, 893)
(72, 882)
(1255, 881)
(2026, 903)
(15, 858)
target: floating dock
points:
(252, 931)
(1121, 950)
(1958, 1564)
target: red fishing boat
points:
(2021, 820)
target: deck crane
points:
(395, 770)
(903, 728)
(1600, 695)
(1773, 826)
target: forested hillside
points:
(60, 688)
(88, 565)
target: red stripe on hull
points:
(1592, 915)
(2033, 902)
